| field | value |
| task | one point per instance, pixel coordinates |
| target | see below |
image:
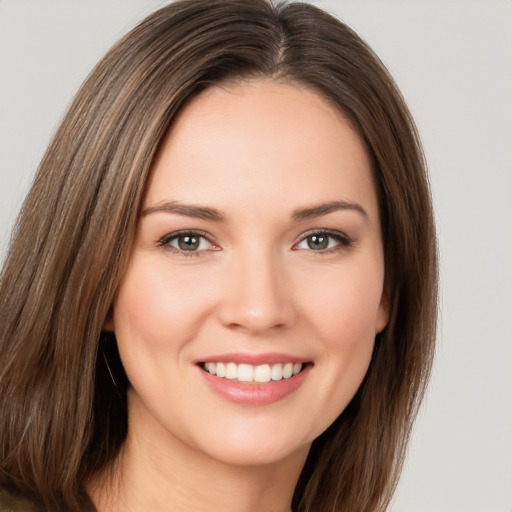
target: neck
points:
(157, 472)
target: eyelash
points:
(343, 241)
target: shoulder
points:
(10, 504)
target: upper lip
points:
(254, 359)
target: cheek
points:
(157, 312)
(344, 304)
(341, 307)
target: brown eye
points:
(188, 242)
(318, 242)
(324, 241)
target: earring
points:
(112, 378)
(113, 364)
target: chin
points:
(263, 443)
(253, 453)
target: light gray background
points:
(452, 60)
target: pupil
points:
(318, 242)
(188, 243)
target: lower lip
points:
(255, 394)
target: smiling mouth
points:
(251, 374)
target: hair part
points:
(62, 420)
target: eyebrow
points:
(188, 210)
(326, 208)
(212, 214)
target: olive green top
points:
(10, 504)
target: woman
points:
(222, 288)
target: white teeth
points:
(262, 373)
(221, 370)
(287, 370)
(231, 371)
(249, 373)
(277, 371)
(245, 372)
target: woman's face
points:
(247, 315)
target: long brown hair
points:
(62, 420)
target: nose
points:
(257, 296)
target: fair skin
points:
(259, 247)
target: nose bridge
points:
(256, 297)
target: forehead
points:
(261, 141)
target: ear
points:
(383, 312)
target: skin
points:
(256, 152)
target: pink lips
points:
(254, 394)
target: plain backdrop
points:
(452, 60)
